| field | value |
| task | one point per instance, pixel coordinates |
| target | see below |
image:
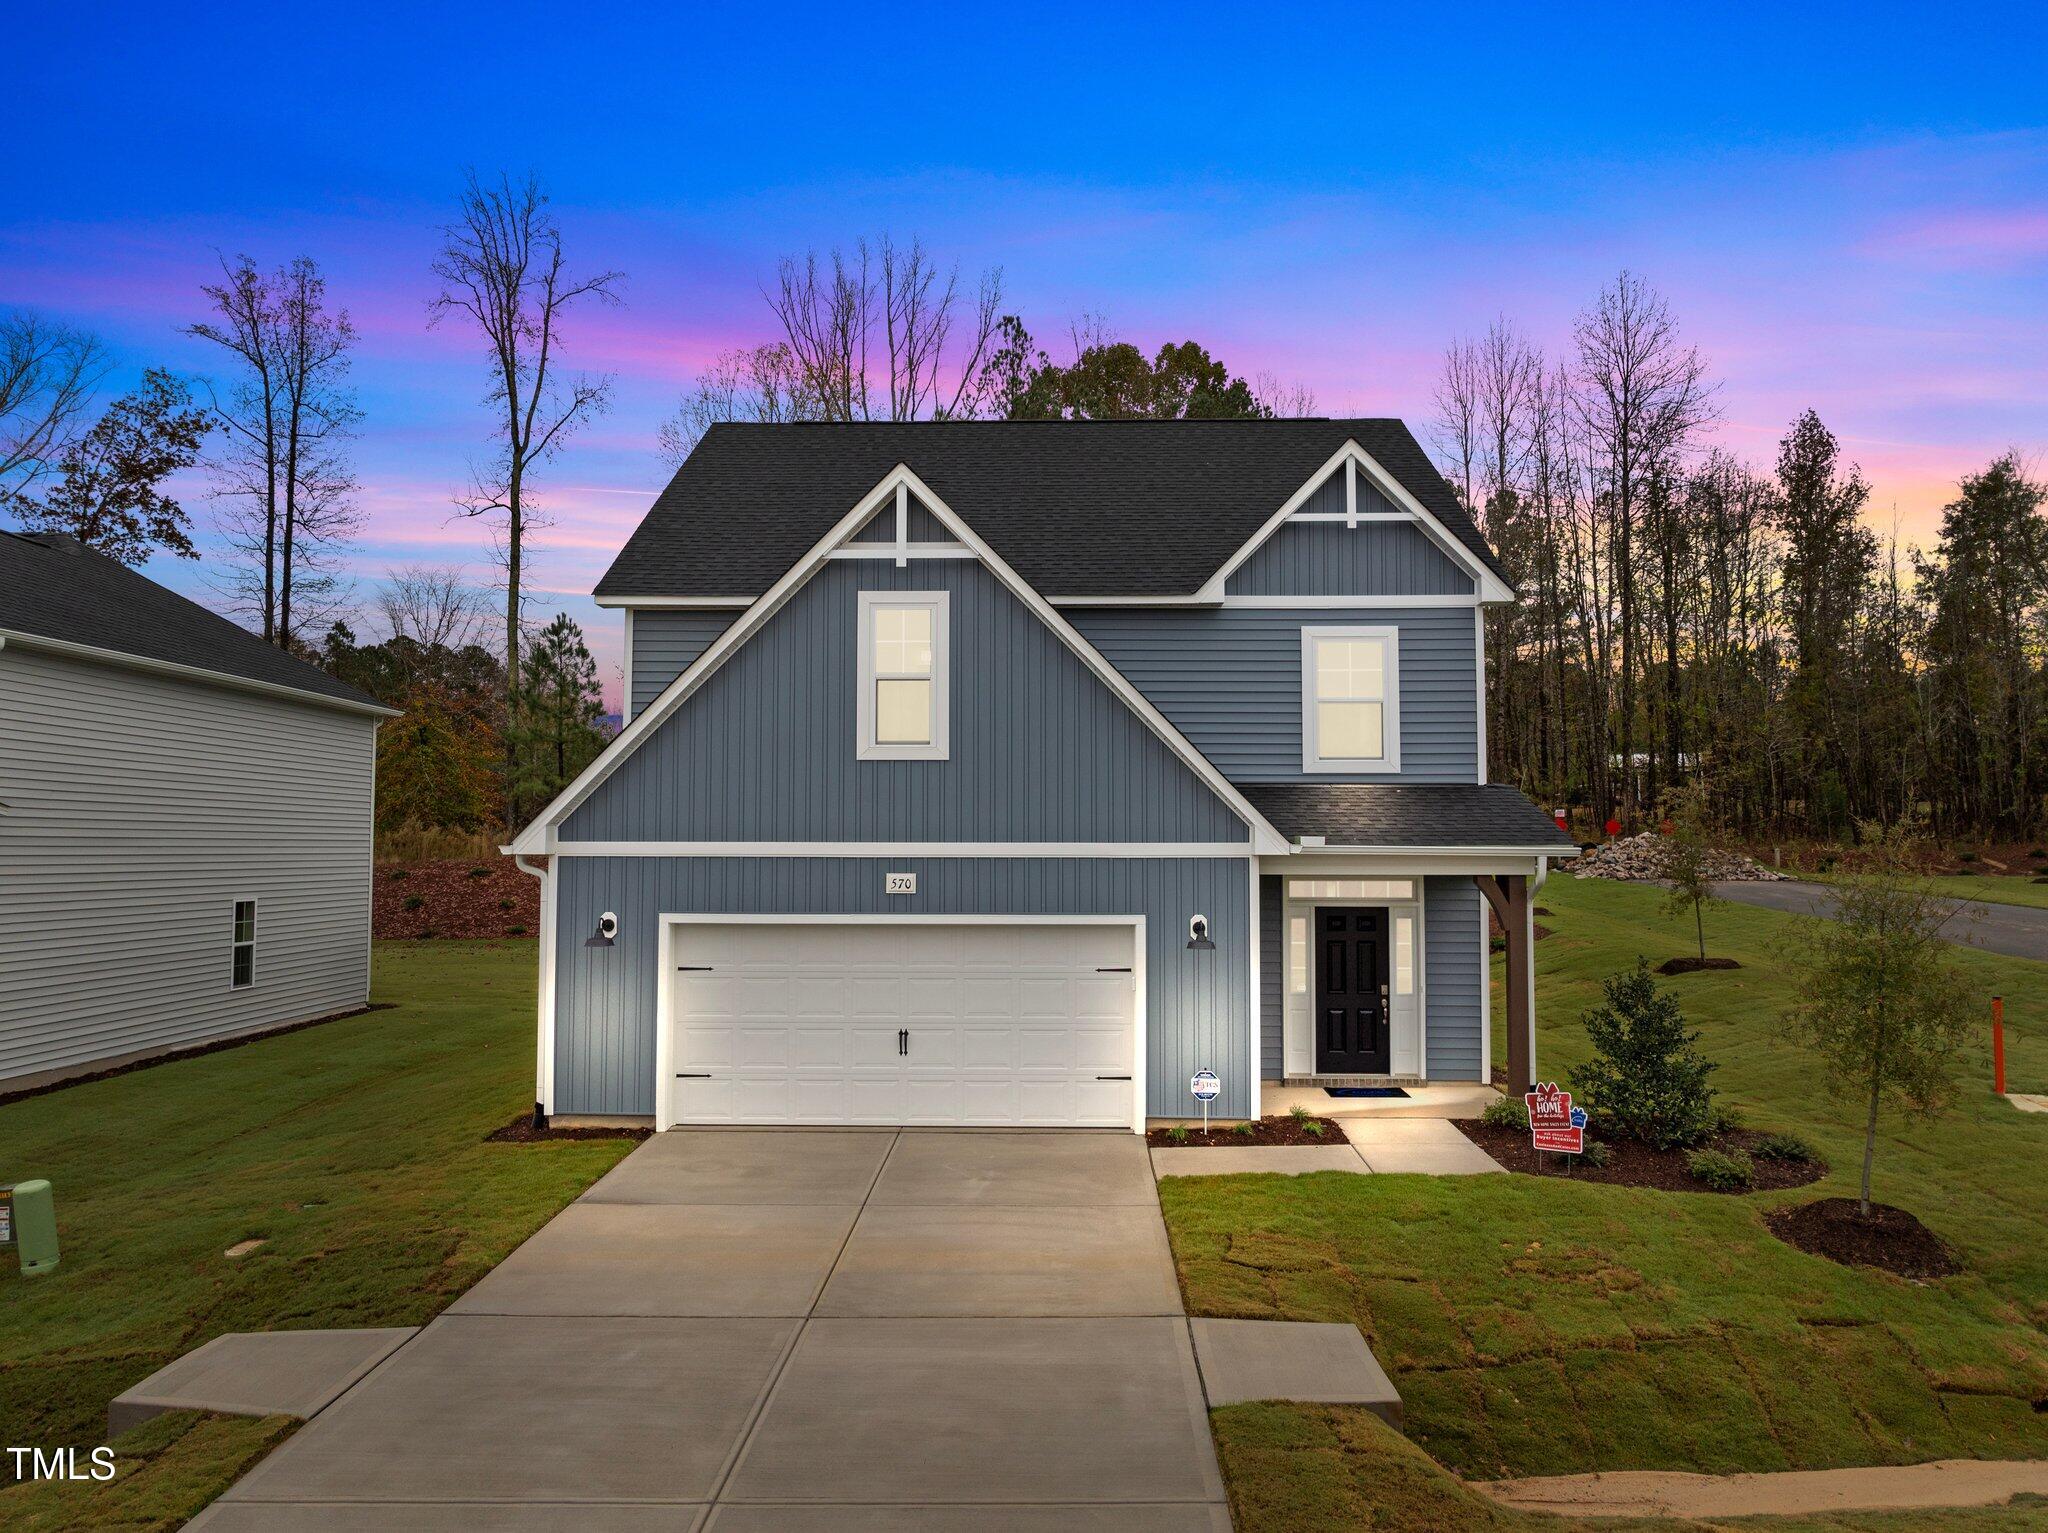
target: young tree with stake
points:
(1881, 1002)
(1684, 859)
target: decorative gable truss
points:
(1392, 503)
(901, 519)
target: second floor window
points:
(902, 712)
(1350, 700)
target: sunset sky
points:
(1846, 207)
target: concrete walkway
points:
(1423, 1146)
(2020, 931)
(745, 1331)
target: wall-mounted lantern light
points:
(1198, 933)
(607, 931)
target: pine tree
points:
(561, 704)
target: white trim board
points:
(1061, 849)
(533, 839)
(1353, 460)
(664, 1005)
(630, 602)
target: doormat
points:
(1365, 1091)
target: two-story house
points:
(1014, 772)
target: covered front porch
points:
(1375, 947)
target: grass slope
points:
(353, 1149)
(1991, 888)
(1541, 1327)
(1297, 1467)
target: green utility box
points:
(28, 1222)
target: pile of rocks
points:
(1642, 857)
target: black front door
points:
(1351, 992)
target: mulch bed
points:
(521, 1131)
(1630, 1164)
(455, 898)
(1283, 1129)
(1890, 1238)
(1695, 965)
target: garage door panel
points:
(1005, 1025)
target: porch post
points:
(1508, 895)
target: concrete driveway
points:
(745, 1331)
(2019, 931)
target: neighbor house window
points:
(1350, 700)
(903, 690)
(243, 964)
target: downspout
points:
(544, 1052)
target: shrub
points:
(1596, 1154)
(515, 931)
(1178, 1133)
(1722, 1119)
(1298, 1113)
(1313, 1127)
(1247, 1128)
(399, 873)
(1782, 1147)
(1722, 1172)
(415, 902)
(508, 904)
(478, 873)
(1507, 1112)
(1647, 1079)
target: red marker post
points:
(1998, 1044)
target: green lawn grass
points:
(1293, 1468)
(1543, 1327)
(354, 1150)
(1995, 889)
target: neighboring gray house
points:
(1011, 773)
(185, 822)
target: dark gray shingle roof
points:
(54, 587)
(1078, 508)
(1447, 815)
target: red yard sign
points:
(1554, 1124)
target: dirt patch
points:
(521, 1131)
(1695, 965)
(1284, 1129)
(454, 898)
(1890, 1238)
(1630, 1164)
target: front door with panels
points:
(1352, 1032)
(907, 1023)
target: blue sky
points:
(1847, 209)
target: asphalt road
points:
(2017, 930)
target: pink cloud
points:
(1987, 239)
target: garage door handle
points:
(1112, 1077)
(693, 968)
(681, 1076)
(1124, 970)
(902, 1040)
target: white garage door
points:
(902, 1023)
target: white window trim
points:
(940, 747)
(234, 946)
(1312, 760)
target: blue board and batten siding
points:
(1040, 750)
(1337, 559)
(1230, 680)
(1198, 1002)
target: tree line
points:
(1689, 621)
(1685, 619)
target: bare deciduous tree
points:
(433, 605)
(1642, 394)
(761, 384)
(1285, 400)
(285, 482)
(873, 337)
(48, 375)
(501, 267)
